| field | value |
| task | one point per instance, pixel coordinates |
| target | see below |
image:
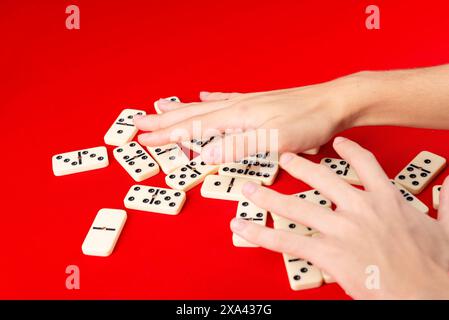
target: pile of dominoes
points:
(183, 174)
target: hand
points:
(375, 227)
(306, 118)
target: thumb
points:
(217, 96)
(443, 211)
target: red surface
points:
(60, 90)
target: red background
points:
(60, 91)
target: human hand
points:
(374, 227)
(305, 118)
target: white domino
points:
(136, 161)
(197, 145)
(80, 161)
(342, 169)
(190, 175)
(252, 168)
(123, 129)
(411, 199)
(420, 171)
(224, 188)
(169, 157)
(436, 196)
(249, 211)
(302, 274)
(104, 232)
(155, 199)
(313, 196)
(156, 107)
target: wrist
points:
(359, 96)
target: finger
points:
(235, 146)
(202, 126)
(217, 96)
(153, 122)
(279, 240)
(292, 208)
(319, 177)
(443, 210)
(364, 163)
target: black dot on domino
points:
(302, 196)
(245, 204)
(217, 183)
(171, 158)
(131, 199)
(259, 215)
(297, 277)
(243, 214)
(292, 226)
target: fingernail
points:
(285, 158)
(163, 101)
(204, 93)
(249, 188)
(138, 116)
(237, 224)
(337, 140)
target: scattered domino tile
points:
(411, 199)
(342, 169)
(104, 232)
(251, 168)
(80, 161)
(155, 199)
(156, 107)
(313, 196)
(248, 211)
(313, 151)
(265, 156)
(288, 225)
(123, 129)
(436, 196)
(224, 188)
(190, 175)
(198, 145)
(133, 158)
(302, 274)
(420, 171)
(169, 157)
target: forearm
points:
(413, 98)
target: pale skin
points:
(370, 227)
